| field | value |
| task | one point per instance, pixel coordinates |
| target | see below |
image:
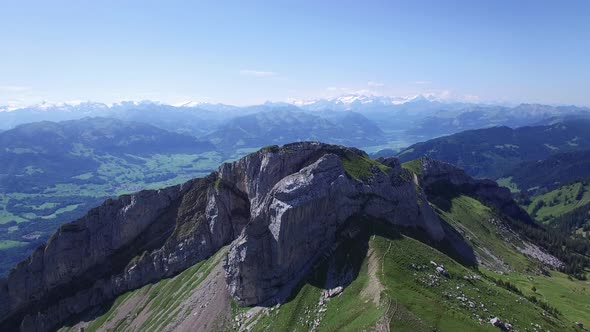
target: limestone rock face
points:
(88, 242)
(123, 244)
(298, 219)
(278, 209)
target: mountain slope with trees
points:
(493, 152)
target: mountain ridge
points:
(419, 108)
(492, 152)
(254, 204)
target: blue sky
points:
(245, 52)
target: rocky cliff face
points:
(278, 209)
(295, 216)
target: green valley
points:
(56, 172)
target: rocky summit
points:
(278, 210)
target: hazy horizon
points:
(500, 52)
(398, 100)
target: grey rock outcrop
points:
(296, 220)
(278, 209)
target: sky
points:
(248, 52)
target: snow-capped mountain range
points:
(345, 102)
(424, 113)
(352, 99)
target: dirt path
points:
(385, 255)
(383, 325)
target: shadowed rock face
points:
(279, 209)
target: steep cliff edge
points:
(278, 209)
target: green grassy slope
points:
(152, 307)
(507, 182)
(414, 166)
(474, 220)
(359, 167)
(557, 202)
(479, 225)
(570, 297)
(424, 300)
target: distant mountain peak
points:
(189, 104)
(354, 98)
(360, 102)
(67, 106)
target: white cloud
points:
(422, 82)
(257, 73)
(375, 84)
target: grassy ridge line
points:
(359, 167)
(415, 166)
